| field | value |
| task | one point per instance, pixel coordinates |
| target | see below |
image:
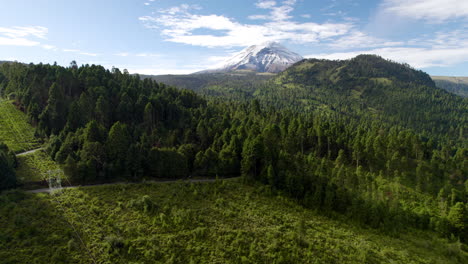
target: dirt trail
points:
(48, 190)
(28, 152)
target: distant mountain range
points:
(456, 85)
(269, 57)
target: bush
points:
(114, 243)
(144, 204)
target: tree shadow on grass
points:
(33, 230)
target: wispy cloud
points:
(141, 54)
(70, 50)
(49, 47)
(179, 24)
(357, 39)
(81, 52)
(17, 42)
(20, 36)
(89, 54)
(17, 32)
(430, 10)
(148, 55)
(122, 54)
(277, 12)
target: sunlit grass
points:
(35, 167)
(15, 131)
(217, 222)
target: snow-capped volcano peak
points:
(266, 57)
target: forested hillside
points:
(238, 85)
(106, 125)
(370, 88)
(365, 88)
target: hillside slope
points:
(369, 87)
(220, 222)
(234, 85)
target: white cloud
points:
(258, 17)
(148, 55)
(358, 39)
(141, 54)
(183, 8)
(17, 42)
(71, 50)
(19, 36)
(158, 70)
(265, 4)
(456, 38)
(290, 2)
(430, 10)
(9, 59)
(146, 4)
(18, 32)
(81, 52)
(88, 54)
(277, 13)
(216, 62)
(48, 47)
(178, 24)
(281, 13)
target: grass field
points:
(35, 167)
(218, 222)
(15, 131)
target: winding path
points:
(28, 152)
(48, 190)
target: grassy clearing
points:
(15, 131)
(219, 222)
(34, 167)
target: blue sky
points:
(184, 36)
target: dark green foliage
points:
(34, 230)
(102, 125)
(238, 85)
(458, 218)
(369, 88)
(7, 168)
(167, 163)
